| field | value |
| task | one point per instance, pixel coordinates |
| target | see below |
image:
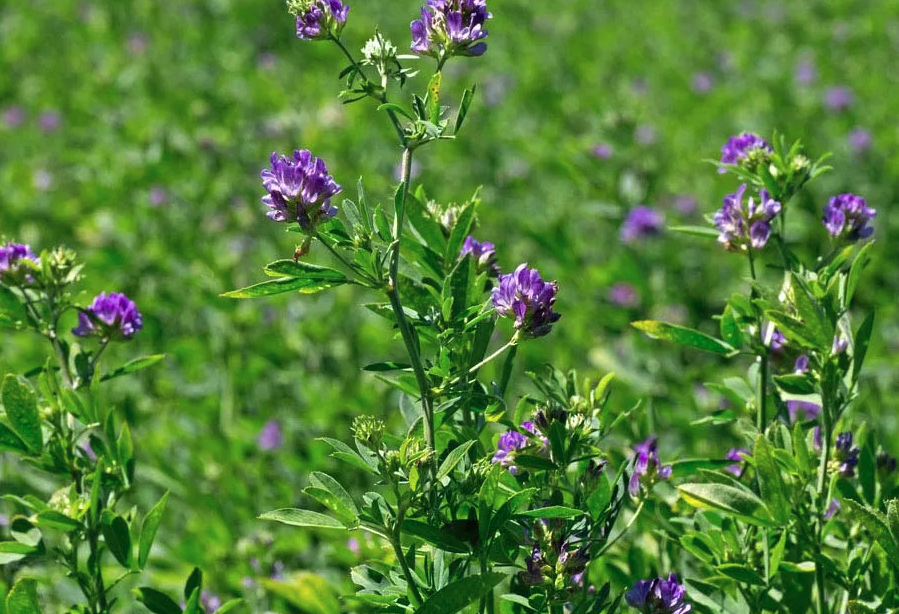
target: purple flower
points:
(603, 151)
(744, 146)
(624, 295)
(451, 27)
(4, 521)
(526, 297)
(846, 454)
(353, 545)
(484, 254)
(840, 344)
(299, 189)
(12, 254)
(42, 179)
(88, 451)
(137, 43)
(847, 216)
(832, 509)
(778, 341)
(838, 98)
(744, 226)
(886, 464)
(210, 602)
(511, 441)
(686, 204)
(803, 411)
(641, 222)
(533, 576)
(702, 82)
(806, 72)
(158, 196)
(270, 437)
(736, 454)
(13, 116)
(648, 468)
(318, 19)
(859, 139)
(645, 134)
(49, 121)
(111, 316)
(801, 364)
(658, 596)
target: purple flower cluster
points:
(523, 295)
(832, 509)
(846, 454)
(744, 146)
(110, 316)
(745, 226)
(318, 19)
(658, 596)
(847, 216)
(803, 411)
(12, 254)
(736, 454)
(641, 222)
(270, 437)
(838, 98)
(571, 560)
(483, 253)
(299, 189)
(886, 463)
(451, 27)
(647, 467)
(512, 441)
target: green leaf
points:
(288, 284)
(118, 539)
(857, 607)
(736, 502)
(795, 383)
(302, 518)
(893, 518)
(156, 602)
(392, 106)
(552, 511)
(862, 260)
(793, 329)
(697, 231)
(811, 314)
(194, 582)
(730, 328)
(876, 524)
(132, 366)
(457, 595)
(229, 606)
(534, 462)
(770, 481)
(380, 220)
(741, 574)
(434, 97)
(460, 231)
(464, 105)
(684, 336)
(306, 592)
(20, 404)
(803, 567)
(452, 459)
(323, 480)
(347, 514)
(22, 599)
(148, 530)
(436, 537)
(860, 346)
(387, 366)
(688, 467)
(10, 442)
(51, 519)
(777, 555)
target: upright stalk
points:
(761, 417)
(826, 435)
(393, 294)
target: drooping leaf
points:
(20, 404)
(51, 519)
(287, 284)
(684, 336)
(303, 518)
(697, 231)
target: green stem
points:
(99, 585)
(511, 344)
(627, 527)
(398, 550)
(507, 370)
(826, 434)
(393, 294)
(761, 418)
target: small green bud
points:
(368, 431)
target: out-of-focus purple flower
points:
(318, 19)
(4, 521)
(533, 574)
(88, 451)
(860, 139)
(510, 442)
(645, 134)
(847, 216)
(267, 61)
(641, 222)
(137, 43)
(736, 454)
(42, 180)
(603, 151)
(846, 454)
(211, 603)
(686, 204)
(744, 225)
(451, 27)
(838, 98)
(299, 189)
(817, 439)
(702, 82)
(648, 468)
(832, 509)
(12, 254)
(659, 596)
(523, 295)
(354, 546)
(801, 364)
(777, 342)
(639, 86)
(247, 582)
(840, 344)
(806, 73)
(624, 295)
(484, 254)
(111, 316)
(803, 411)
(744, 146)
(270, 437)
(158, 196)
(13, 116)
(49, 121)
(886, 463)
(277, 570)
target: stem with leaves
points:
(762, 398)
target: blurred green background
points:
(134, 132)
